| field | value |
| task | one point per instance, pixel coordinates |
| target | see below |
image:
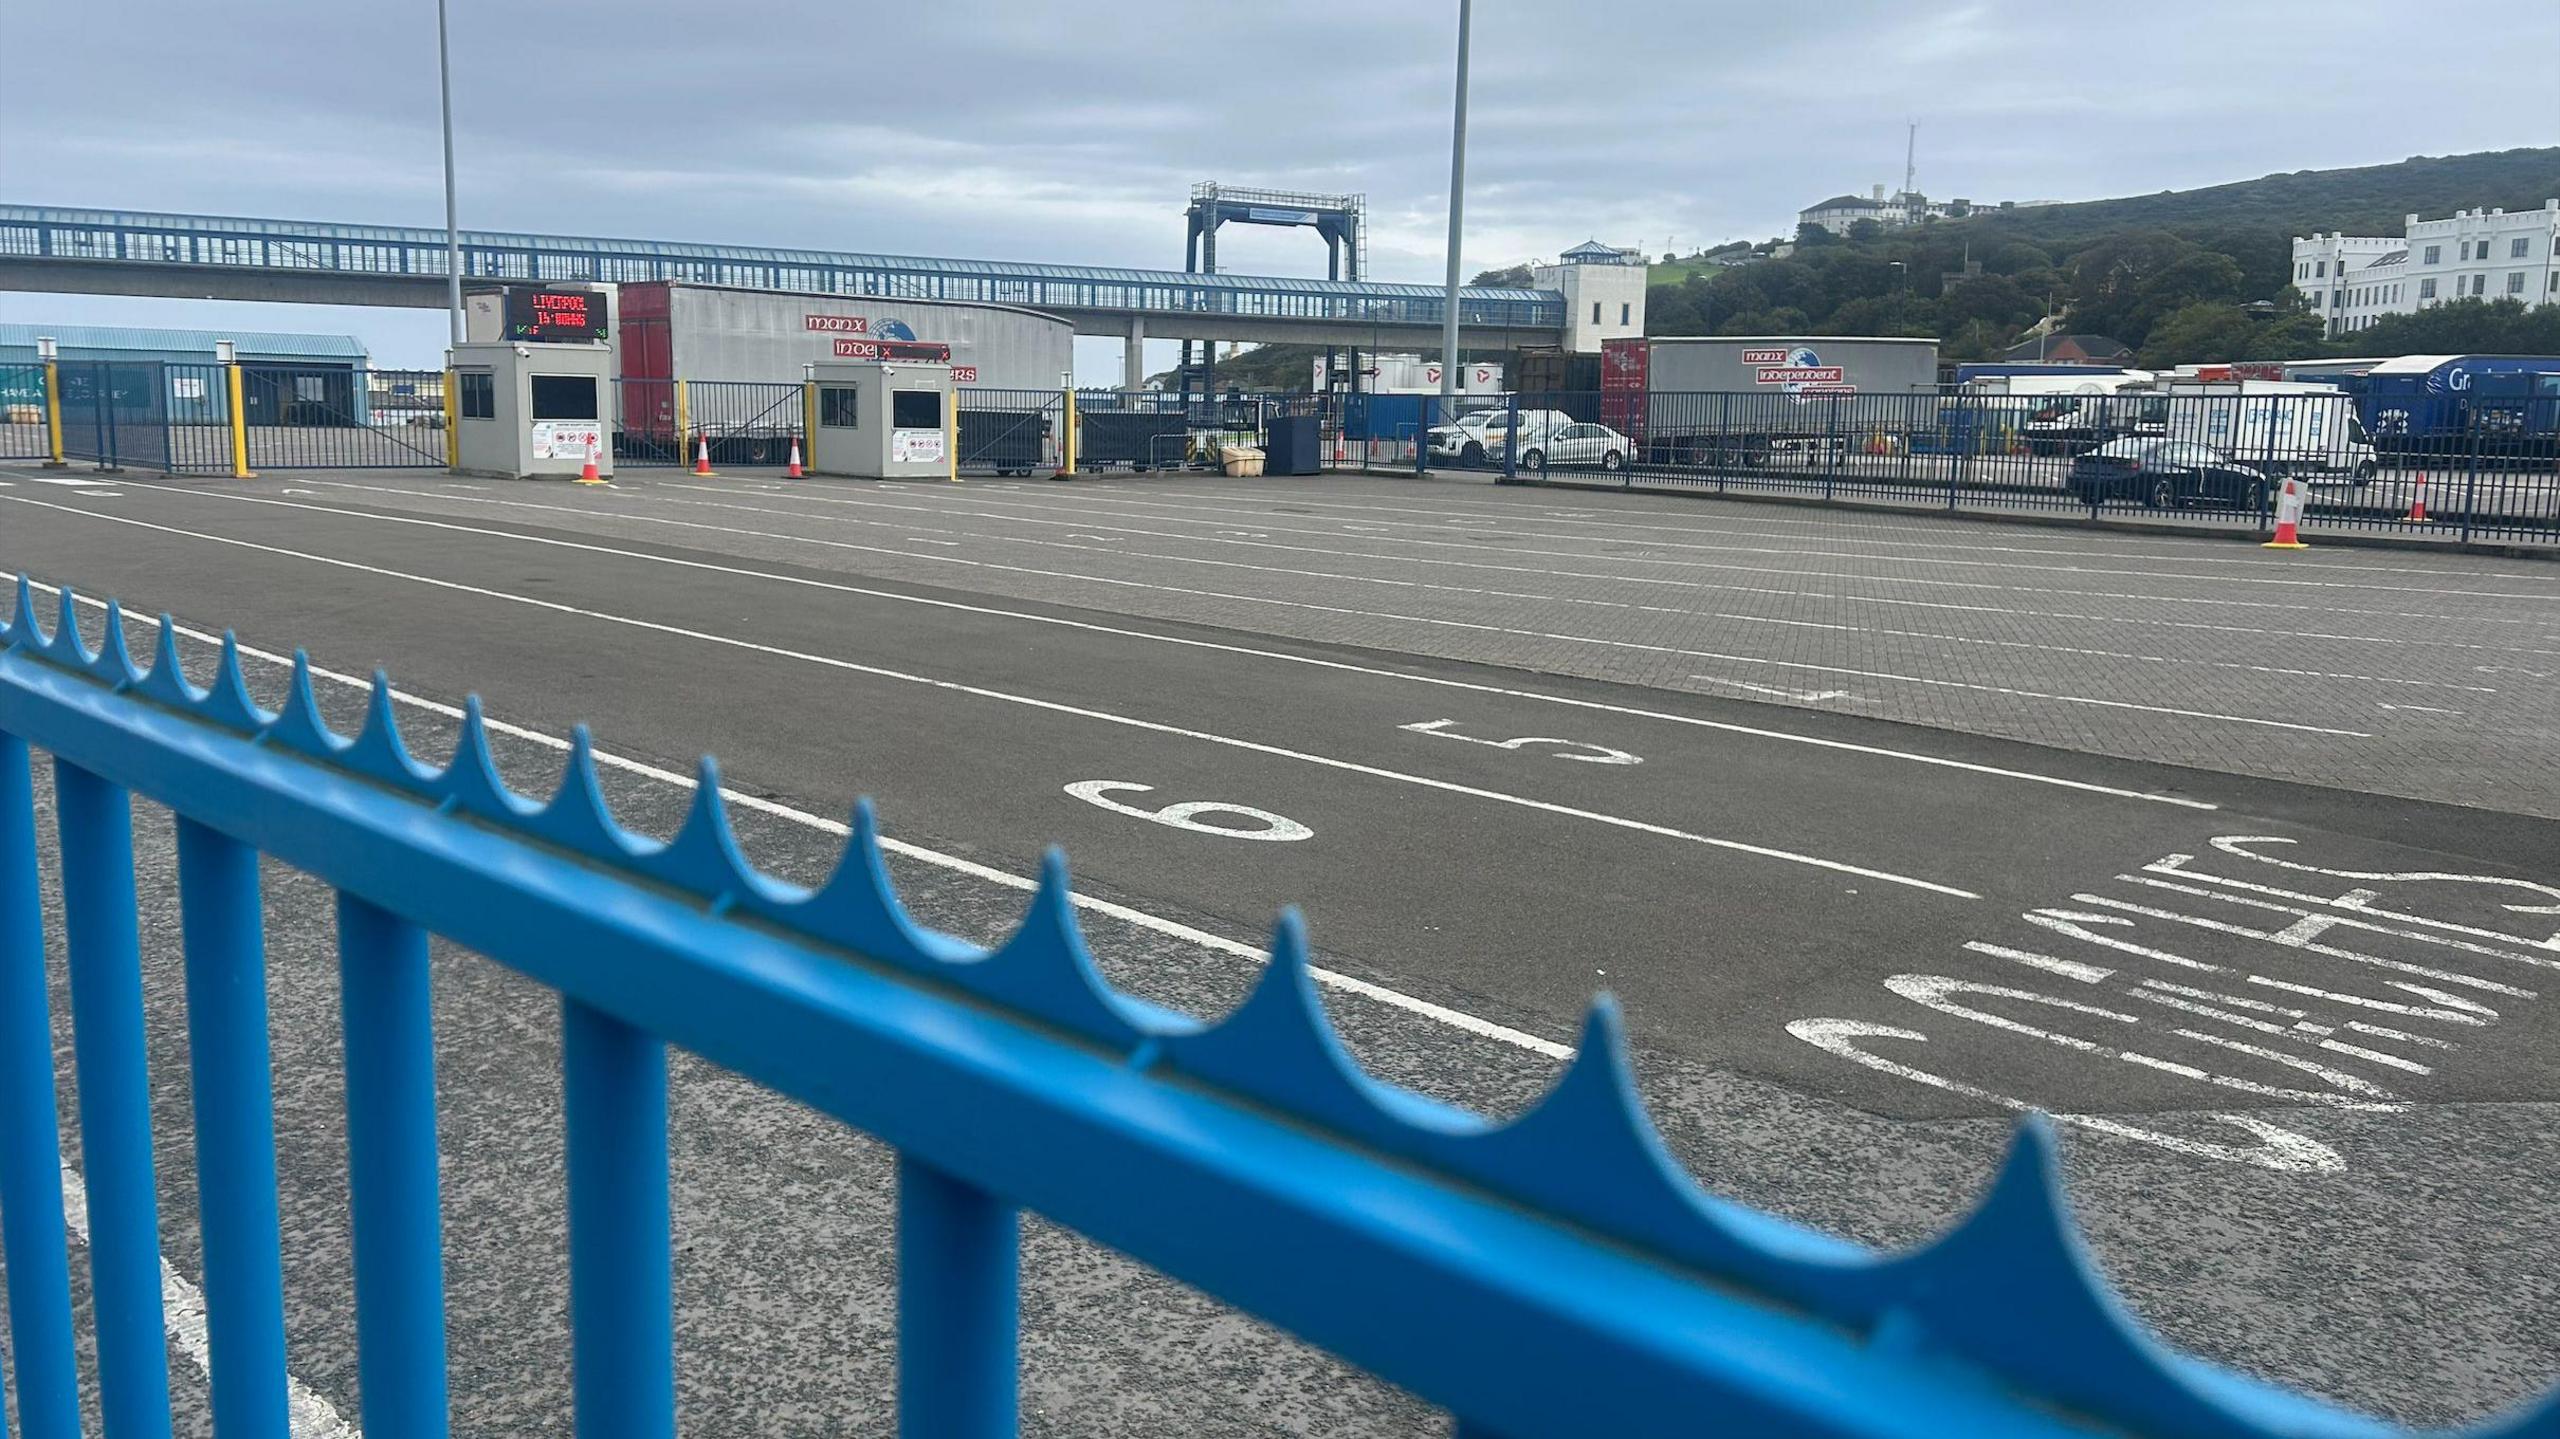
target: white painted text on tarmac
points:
(2246, 971)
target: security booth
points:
(526, 410)
(882, 419)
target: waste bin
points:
(1295, 446)
(1242, 461)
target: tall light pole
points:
(452, 236)
(1457, 199)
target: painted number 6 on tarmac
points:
(1186, 814)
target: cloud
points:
(1071, 132)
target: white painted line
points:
(1345, 766)
(1470, 625)
(2419, 709)
(1724, 726)
(1649, 522)
(1575, 600)
(1138, 918)
(1807, 696)
(77, 482)
(182, 1309)
(1997, 609)
(1656, 539)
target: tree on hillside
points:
(2012, 257)
(1991, 302)
(2216, 332)
(2462, 327)
(1509, 277)
(2125, 284)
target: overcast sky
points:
(1071, 131)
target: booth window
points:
(836, 409)
(564, 397)
(915, 410)
(478, 392)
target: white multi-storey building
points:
(2483, 254)
(1904, 207)
(2486, 255)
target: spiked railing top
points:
(2009, 1290)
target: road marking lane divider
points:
(1350, 611)
(1650, 525)
(1212, 539)
(1348, 667)
(2004, 611)
(1653, 538)
(1576, 600)
(1253, 954)
(1622, 822)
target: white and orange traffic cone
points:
(587, 472)
(2288, 519)
(2418, 502)
(793, 471)
(702, 456)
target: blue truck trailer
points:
(2499, 406)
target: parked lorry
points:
(2061, 414)
(737, 350)
(2277, 427)
(1551, 379)
(2501, 406)
(1742, 400)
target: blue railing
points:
(1558, 1275)
(396, 251)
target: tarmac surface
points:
(2247, 865)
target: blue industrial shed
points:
(287, 379)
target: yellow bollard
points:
(239, 425)
(1071, 438)
(951, 437)
(53, 416)
(452, 435)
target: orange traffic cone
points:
(2418, 502)
(702, 457)
(793, 472)
(587, 472)
(2288, 519)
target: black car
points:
(2166, 475)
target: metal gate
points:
(1010, 432)
(747, 423)
(22, 413)
(318, 417)
(115, 413)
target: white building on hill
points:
(1908, 207)
(2482, 254)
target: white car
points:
(1574, 445)
(1473, 437)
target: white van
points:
(2280, 427)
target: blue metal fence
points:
(1557, 1275)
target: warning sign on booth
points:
(916, 445)
(566, 439)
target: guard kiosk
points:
(882, 419)
(540, 401)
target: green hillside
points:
(2173, 275)
(2365, 200)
